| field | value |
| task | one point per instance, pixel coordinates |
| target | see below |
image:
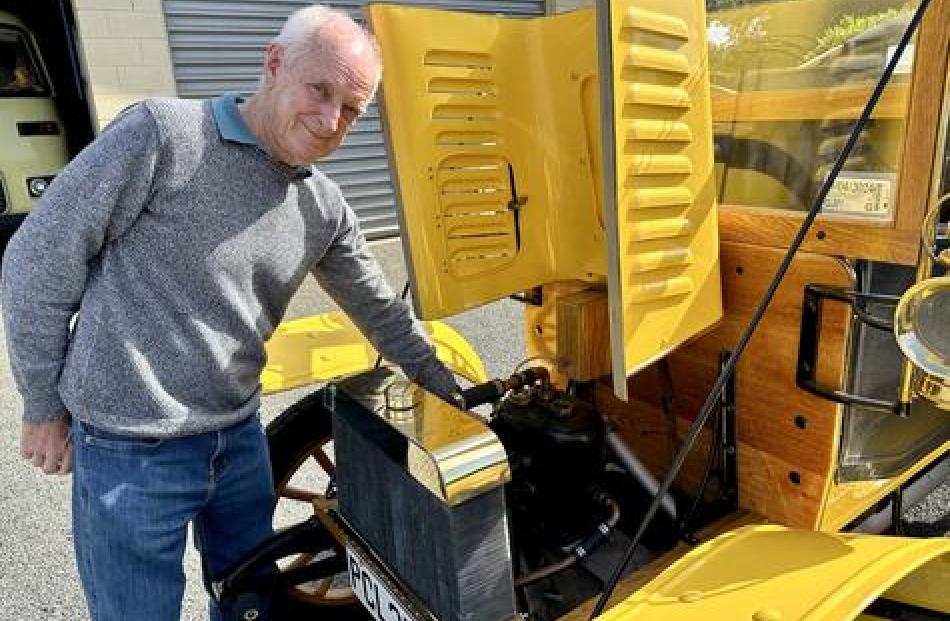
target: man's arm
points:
(351, 276)
(96, 197)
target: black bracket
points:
(515, 205)
(808, 344)
(727, 443)
(532, 296)
(721, 465)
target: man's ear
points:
(273, 61)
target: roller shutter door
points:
(217, 46)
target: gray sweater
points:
(180, 251)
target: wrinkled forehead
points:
(347, 54)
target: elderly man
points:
(179, 236)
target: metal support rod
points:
(638, 471)
(730, 367)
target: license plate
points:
(861, 194)
(373, 592)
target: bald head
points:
(320, 74)
(312, 31)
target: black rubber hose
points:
(480, 394)
(495, 389)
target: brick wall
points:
(124, 45)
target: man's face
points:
(317, 96)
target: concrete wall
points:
(124, 45)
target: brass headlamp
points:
(922, 317)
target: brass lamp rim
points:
(933, 365)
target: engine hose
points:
(495, 389)
(581, 550)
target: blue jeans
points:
(133, 500)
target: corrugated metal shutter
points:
(217, 46)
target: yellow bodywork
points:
(663, 237)
(322, 347)
(770, 573)
(508, 179)
(495, 173)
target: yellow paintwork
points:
(327, 346)
(770, 573)
(663, 239)
(465, 97)
(26, 156)
(462, 115)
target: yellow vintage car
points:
(728, 221)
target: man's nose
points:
(328, 116)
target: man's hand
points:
(47, 445)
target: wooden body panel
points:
(784, 469)
(582, 317)
(541, 328)
(805, 103)
(788, 438)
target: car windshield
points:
(19, 74)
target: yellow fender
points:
(771, 573)
(322, 347)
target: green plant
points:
(847, 27)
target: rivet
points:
(767, 614)
(821, 234)
(795, 477)
(538, 330)
(801, 422)
(740, 270)
(690, 596)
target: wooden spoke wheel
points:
(301, 453)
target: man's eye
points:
(320, 90)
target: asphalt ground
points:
(38, 580)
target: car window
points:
(19, 73)
(789, 79)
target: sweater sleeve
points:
(350, 274)
(90, 203)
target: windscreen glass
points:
(20, 75)
(933, 326)
(790, 78)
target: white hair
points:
(302, 31)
